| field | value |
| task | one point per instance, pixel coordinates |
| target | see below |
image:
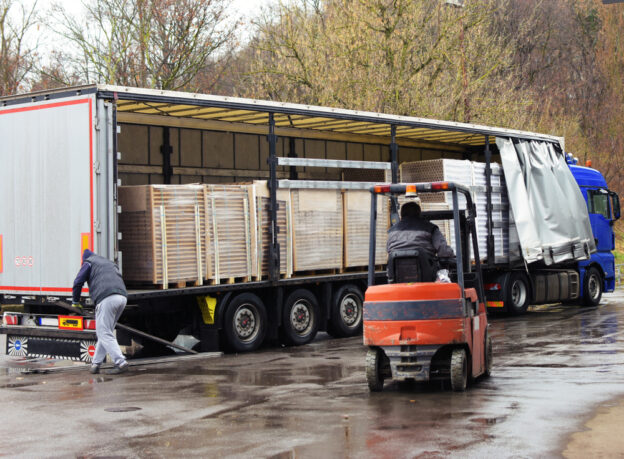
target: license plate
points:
(70, 323)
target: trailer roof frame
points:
(356, 122)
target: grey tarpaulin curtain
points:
(548, 208)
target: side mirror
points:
(615, 205)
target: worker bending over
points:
(108, 291)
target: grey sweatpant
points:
(107, 313)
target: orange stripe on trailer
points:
(85, 243)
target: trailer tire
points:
(459, 370)
(346, 312)
(300, 317)
(245, 323)
(592, 287)
(517, 294)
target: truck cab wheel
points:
(459, 370)
(300, 318)
(517, 294)
(346, 312)
(245, 323)
(592, 287)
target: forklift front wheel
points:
(374, 374)
(488, 356)
(459, 370)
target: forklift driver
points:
(415, 233)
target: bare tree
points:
(17, 55)
(150, 43)
(397, 56)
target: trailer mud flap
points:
(60, 348)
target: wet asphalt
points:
(553, 368)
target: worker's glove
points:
(77, 306)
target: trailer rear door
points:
(46, 194)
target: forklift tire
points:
(488, 356)
(300, 318)
(346, 312)
(592, 287)
(517, 295)
(374, 375)
(459, 370)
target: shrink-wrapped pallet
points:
(317, 229)
(357, 206)
(263, 229)
(229, 232)
(472, 175)
(162, 230)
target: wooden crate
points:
(230, 237)
(317, 230)
(263, 230)
(162, 230)
(356, 205)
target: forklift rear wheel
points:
(517, 295)
(300, 317)
(488, 356)
(592, 287)
(374, 374)
(346, 313)
(459, 370)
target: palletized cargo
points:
(163, 234)
(263, 229)
(317, 229)
(472, 175)
(230, 225)
(357, 210)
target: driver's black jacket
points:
(417, 233)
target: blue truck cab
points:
(604, 209)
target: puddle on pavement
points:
(91, 381)
(489, 421)
(17, 385)
(122, 409)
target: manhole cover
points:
(122, 409)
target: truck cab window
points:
(598, 203)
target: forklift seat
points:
(411, 266)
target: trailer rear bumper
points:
(20, 341)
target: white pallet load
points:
(472, 175)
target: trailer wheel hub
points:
(245, 322)
(349, 310)
(300, 316)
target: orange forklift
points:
(420, 329)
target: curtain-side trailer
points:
(66, 152)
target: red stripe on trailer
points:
(40, 289)
(89, 324)
(66, 103)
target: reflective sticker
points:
(495, 304)
(476, 323)
(87, 351)
(70, 323)
(17, 346)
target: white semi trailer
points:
(65, 152)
